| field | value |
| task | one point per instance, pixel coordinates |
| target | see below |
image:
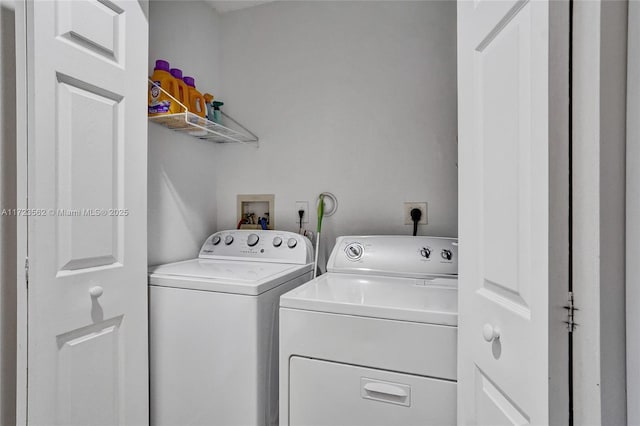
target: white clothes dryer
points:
(213, 328)
(374, 340)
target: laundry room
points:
(356, 101)
(319, 212)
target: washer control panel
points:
(405, 256)
(258, 245)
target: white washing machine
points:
(213, 328)
(374, 340)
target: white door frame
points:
(598, 175)
(633, 212)
(21, 203)
(7, 222)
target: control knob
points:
(252, 240)
(354, 251)
(446, 254)
(292, 242)
(277, 242)
(228, 239)
(215, 240)
(425, 252)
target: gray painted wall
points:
(181, 192)
(354, 98)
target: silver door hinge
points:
(571, 311)
(26, 271)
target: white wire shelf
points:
(201, 128)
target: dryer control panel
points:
(395, 255)
(259, 245)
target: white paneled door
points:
(86, 143)
(513, 72)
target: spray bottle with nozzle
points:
(213, 108)
(217, 114)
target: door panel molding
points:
(96, 27)
(498, 401)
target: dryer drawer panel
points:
(328, 393)
(409, 347)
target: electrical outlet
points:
(302, 205)
(415, 205)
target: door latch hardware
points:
(571, 310)
(26, 271)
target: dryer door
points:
(328, 393)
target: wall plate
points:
(408, 206)
(302, 205)
(260, 205)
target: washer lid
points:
(427, 300)
(225, 276)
